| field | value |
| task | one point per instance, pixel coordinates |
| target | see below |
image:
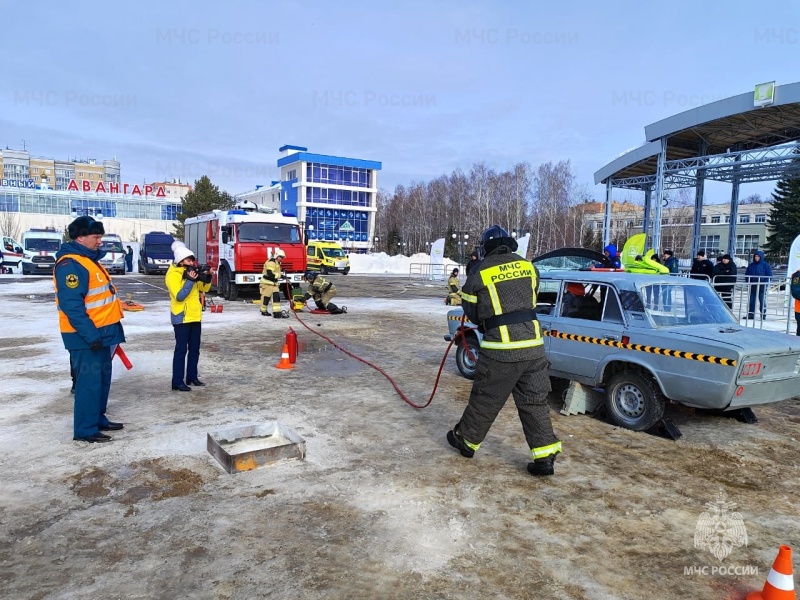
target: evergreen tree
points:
(784, 217)
(590, 240)
(203, 197)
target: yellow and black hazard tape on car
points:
(716, 360)
(728, 362)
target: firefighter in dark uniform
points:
(500, 296)
(322, 291)
(269, 288)
(454, 297)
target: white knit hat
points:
(181, 252)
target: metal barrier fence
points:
(433, 272)
(756, 302)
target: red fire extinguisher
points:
(291, 342)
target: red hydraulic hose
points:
(377, 368)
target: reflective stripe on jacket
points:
(320, 287)
(271, 266)
(101, 302)
(452, 284)
(503, 284)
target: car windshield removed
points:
(268, 232)
(42, 244)
(675, 305)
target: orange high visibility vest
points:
(102, 305)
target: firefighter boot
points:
(455, 439)
(333, 309)
(542, 466)
(281, 315)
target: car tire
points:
(467, 362)
(634, 400)
(346, 271)
(324, 269)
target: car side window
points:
(310, 251)
(612, 312)
(581, 301)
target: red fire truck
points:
(236, 244)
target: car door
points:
(579, 343)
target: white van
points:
(39, 247)
(114, 260)
(12, 254)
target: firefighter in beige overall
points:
(270, 286)
(322, 290)
(453, 285)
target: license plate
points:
(340, 264)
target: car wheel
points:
(466, 361)
(324, 269)
(634, 401)
(346, 271)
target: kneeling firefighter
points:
(322, 291)
(269, 288)
(497, 297)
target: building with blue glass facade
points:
(334, 197)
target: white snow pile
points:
(382, 263)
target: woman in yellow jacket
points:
(185, 281)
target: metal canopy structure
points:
(733, 140)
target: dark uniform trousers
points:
(494, 382)
(92, 385)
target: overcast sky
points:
(180, 89)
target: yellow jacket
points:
(184, 294)
(271, 273)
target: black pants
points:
(187, 338)
(527, 381)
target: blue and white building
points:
(334, 197)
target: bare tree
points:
(752, 199)
(9, 224)
(676, 223)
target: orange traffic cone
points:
(780, 582)
(285, 363)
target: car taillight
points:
(751, 369)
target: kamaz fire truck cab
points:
(236, 244)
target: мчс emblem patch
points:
(72, 281)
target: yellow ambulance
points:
(326, 257)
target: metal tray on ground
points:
(252, 446)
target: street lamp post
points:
(462, 240)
